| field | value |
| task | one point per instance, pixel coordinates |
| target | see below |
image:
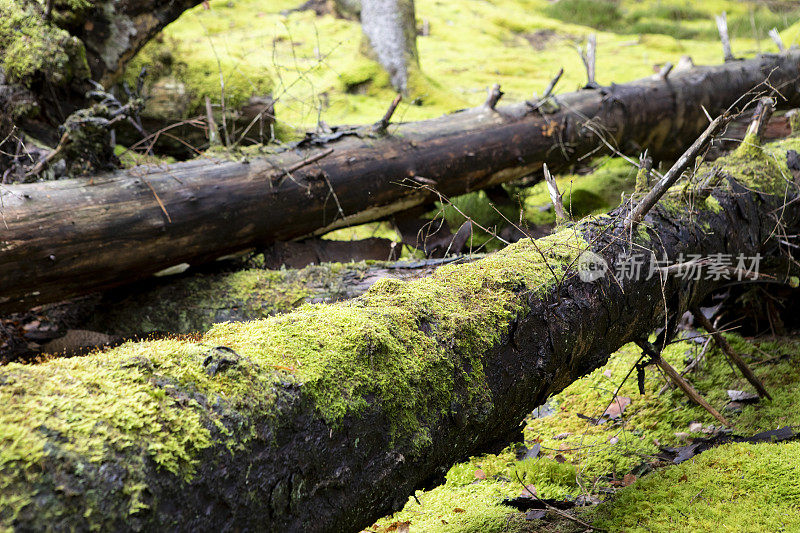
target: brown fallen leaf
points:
(528, 492)
(480, 474)
(617, 407)
(459, 510)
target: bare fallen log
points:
(328, 417)
(70, 237)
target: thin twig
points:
(732, 355)
(665, 70)
(383, 123)
(549, 91)
(41, 165)
(761, 117)
(555, 509)
(679, 381)
(160, 203)
(589, 58)
(672, 175)
(313, 159)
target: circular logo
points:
(591, 266)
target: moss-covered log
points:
(328, 417)
(70, 237)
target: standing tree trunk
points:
(390, 37)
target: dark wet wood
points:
(70, 237)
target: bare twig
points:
(549, 91)
(494, 96)
(728, 350)
(160, 203)
(680, 382)
(41, 165)
(383, 123)
(672, 175)
(307, 161)
(691, 366)
(776, 38)
(761, 117)
(722, 27)
(665, 70)
(555, 509)
(555, 196)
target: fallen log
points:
(327, 418)
(190, 304)
(70, 237)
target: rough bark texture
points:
(69, 237)
(390, 33)
(329, 417)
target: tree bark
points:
(328, 418)
(65, 238)
(390, 37)
(45, 69)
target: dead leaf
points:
(628, 479)
(683, 478)
(480, 474)
(562, 436)
(560, 458)
(528, 492)
(535, 514)
(617, 408)
(459, 510)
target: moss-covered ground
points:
(735, 487)
(312, 64)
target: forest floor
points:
(311, 63)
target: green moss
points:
(593, 454)
(312, 63)
(593, 193)
(745, 487)
(31, 47)
(761, 167)
(713, 204)
(389, 342)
